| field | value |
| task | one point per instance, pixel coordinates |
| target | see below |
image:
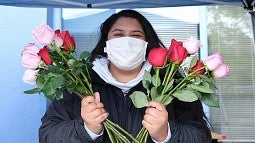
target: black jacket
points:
(62, 122)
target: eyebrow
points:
(119, 30)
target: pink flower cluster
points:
(33, 57)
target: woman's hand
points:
(93, 113)
(156, 120)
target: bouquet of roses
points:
(185, 77)
(56, 67)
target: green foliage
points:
(185, 95)
(139, 99)
(210, 100)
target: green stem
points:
(181, 84)
(87, 83)
(169, 76)
(167, 70)
(121, 129)
(111, 137)
(111, 127)
(157, 76)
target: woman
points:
(119, 61)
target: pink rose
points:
(58, 41)
(43, 34)
(157, 57)
(44, 54)
(192, 45)
(30, 58)
(221, 71)
(214, 61)
(177, 52)
(30, 76)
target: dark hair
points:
(151, 36)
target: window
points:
(230, 33)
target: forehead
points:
(127, 24)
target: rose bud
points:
(177, 52)
(30, 58)
(44, 54)
(157, 57)
(198, 65)
(68, 41)
(43, 34)
(221, 71)
(30, 76)
(192, 45)
(214, 61)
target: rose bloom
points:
(30, 76)
(157, 57)
(192, 45)
(44, 54)
(196, 67)
(58, 41)
(221, 71)
(177, 52)
(30, 58)
(43, 34)
(68, 41)
(214, 61)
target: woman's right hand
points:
(93, 113)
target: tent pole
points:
(253, 24)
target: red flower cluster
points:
(68, 40)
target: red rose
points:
(196, 67)
(157, 57)
(68, 41)
(44, 54)
(177, 52)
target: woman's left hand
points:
(156, 121)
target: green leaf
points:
(139, 99)
(158, 98)
(185, 95)
(71, 62)
(53, 69)
(204, 89)
(146, 80)
(198, 80)
(154, 94)
(51, 85)
(168, 100)
(154, 80)
(210, 100)
(40, 81)
(59, 94)
(170, 85)
(193, 62)
(85, 55)
(33, 91)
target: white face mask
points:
(126, 53)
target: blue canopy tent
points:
(247, 4)
(120, 3)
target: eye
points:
(137, 36)
(118, 35)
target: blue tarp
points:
(116, 3)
